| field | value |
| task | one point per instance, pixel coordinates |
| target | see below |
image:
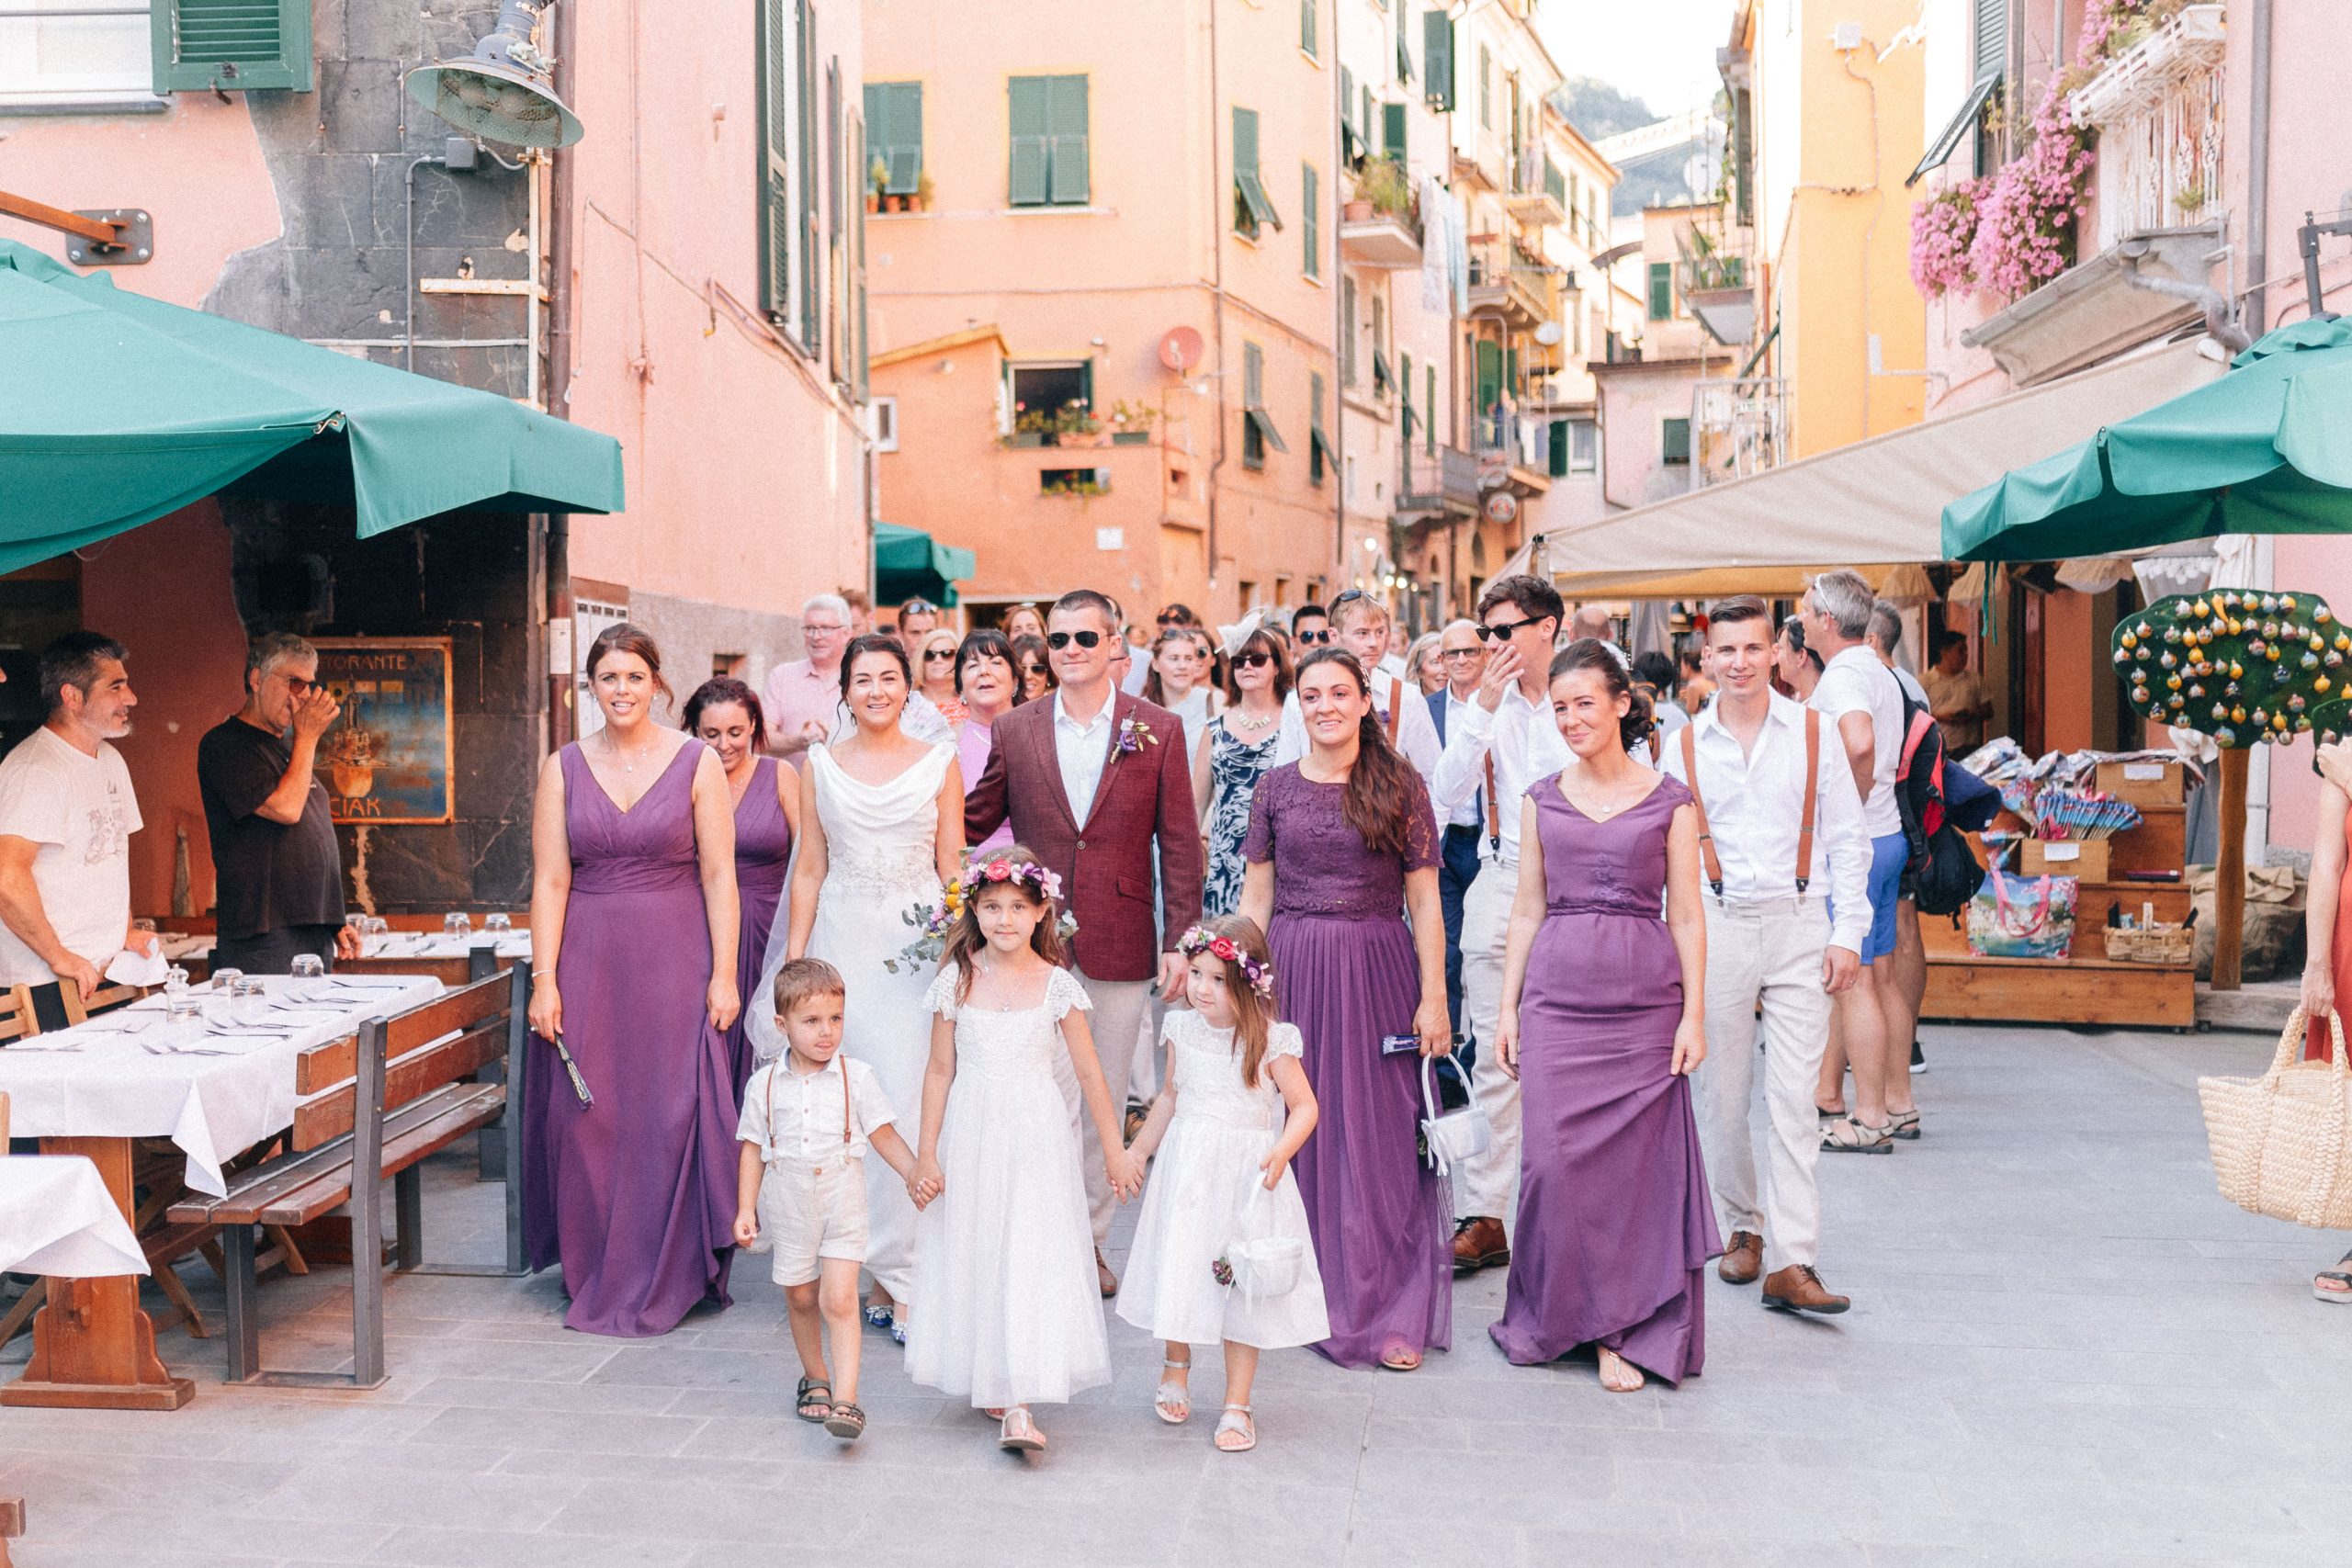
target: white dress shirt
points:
(1471, 813)
(1755, 806)
(1855, 681)
(1524, 740)
(1416, 732)
(807, 1119)
(1082, 751)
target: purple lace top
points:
(1322, 866)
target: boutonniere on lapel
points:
(1134, 735)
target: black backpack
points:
(1944, 873)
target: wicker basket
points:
(2174, 945)
(2278, 1140)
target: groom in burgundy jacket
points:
(1091, 779)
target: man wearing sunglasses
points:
(1499, 745)
(1360, 623)
(1093, 782)
(1310, 628)
(277, 873)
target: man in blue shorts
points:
(1857, 695)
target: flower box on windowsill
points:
(1131, 438)
(1027, 438)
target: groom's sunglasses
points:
(1063, 640)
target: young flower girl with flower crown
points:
(1007, 1309)
(1236, 1108)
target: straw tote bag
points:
(2278, 1140)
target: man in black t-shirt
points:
(277, 873)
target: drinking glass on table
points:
(458, 923)
(308, 966)
(248, 1001)
(224, 981)
(498, 924)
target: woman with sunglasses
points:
(1034, 667)
(1235, 750)
(1341, 847)
(937, 675)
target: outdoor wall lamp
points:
(505, 89)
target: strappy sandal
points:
(1236, 1422)
(1826, 1114)
(880, 1316)
(1401, 1357)
(1904, 1125)
(1623, 1369)
(846, 1422)
(1178, 1410)
(806, 1402)
(2343, 1271)
(1019, 1432)
(1847, 1135)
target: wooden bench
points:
(15, 1014)
(403, 1089)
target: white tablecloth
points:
(390, 945)
(56, 1217)
(120, 1076)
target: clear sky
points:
(1662, 51)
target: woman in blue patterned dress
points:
(1236, 750)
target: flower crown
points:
(1260, 973)
(1029, 874)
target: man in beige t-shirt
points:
(1957, 696)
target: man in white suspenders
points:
(1780, 840)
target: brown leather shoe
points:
(1479, 1243)
(1798, 1289)
(1103, 1275)
(1743, 1259)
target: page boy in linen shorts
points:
(807, 1118)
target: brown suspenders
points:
(848, 1121)
(1494, 809)
(1395, 709)
(1714, 865)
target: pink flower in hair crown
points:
(1028, 874)
(1257, 971)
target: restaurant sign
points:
(388, 758)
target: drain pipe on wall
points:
(2257, 178)
(562, 722)
(1216, 294)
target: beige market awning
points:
(1873, 504)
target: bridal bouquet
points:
(933, 920)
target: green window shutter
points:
(1252, 205)
(1311, 218)
(1253, 376)
(860, 159)
(1661, 290)
(1245, 141)
(1437, 59)
(1674, 441)
(1486, 87)
(231, 44)
(1428, 404)
(775, 174)
(1347, 331)
(1559, 452)
(1306, 25)
(1392, 132)
(894, 121)
(1510, 371)
(1992, 38)
(804, 38)
(1404, 46)
(1405, 394)
(1490, 374)
(1556, 184)
(1065, 126)
(1030, 140)
(1316, 442)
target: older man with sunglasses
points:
(277, 872)
(1499, 746)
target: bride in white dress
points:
(882, 829)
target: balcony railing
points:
(1505, 282)
(1738, 426)
(1447, 480)
(1513, 440)
(1539, 192)
(2158, 108)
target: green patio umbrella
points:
(2265, 449)
(909, 563)
(116, 409)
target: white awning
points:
(1875, 503)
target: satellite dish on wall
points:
(1549, 333)
(1180, 349)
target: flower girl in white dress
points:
(1236, 1110)
(1007, 1308)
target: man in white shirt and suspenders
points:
(1780, 826)
(1498, 745)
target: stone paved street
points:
(2065, 1349)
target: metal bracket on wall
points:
(113, 236)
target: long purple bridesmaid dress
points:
(1615, 1226)
(635, 1196)
(762, 855)
(1345, 973)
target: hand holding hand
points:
(927, 1182)
(1840, 967)
(315, 712)
(1126, 1172)
(747, 1228)
(1689, 1046)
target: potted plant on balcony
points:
(1131, 424)
(878, 176)
(923, 190)
(1077, 426)
(1387, 186)
(1031, 427)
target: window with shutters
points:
(1437, 59)
(1674, 441)
(789, 185)
(200, 45)
(1257, 430)
(1485, 88)
(894, 131)
(811, 296)
(1253, 207)
(1319, 459)
(1584, 447)
(1428, 406)
(1049, 141)
(1404, 45)
(93, 54)
(1384, 380)
(1347, 331)
(1405, 413)
(1979, 113)
(1661, 290)
(1307, 26)
(1392, 133)
(1310, 220)
(1351, 138)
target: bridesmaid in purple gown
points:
(725, 715)
(1601, 1010)
(1341, 844)
(633, 928)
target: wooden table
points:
(94, 1346)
